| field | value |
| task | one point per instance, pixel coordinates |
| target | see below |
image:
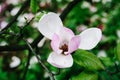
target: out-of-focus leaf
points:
(38, 16)
(86, 76)
(66, 74)
(107, 61)
(87, 60)
(3, 75)
(34, 6)
(14, 28)
(117, 53)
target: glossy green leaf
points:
(86, 76)
(34, 6)
(88, 60)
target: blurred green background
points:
(103, 14)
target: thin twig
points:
(41, 63)
(27, 65)
(27, 23)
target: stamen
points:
(64, 48)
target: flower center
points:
(64, 48)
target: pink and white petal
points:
(60, 60)
(49, 24)
(73, 44)
(55, 42)
(90, 38)
(66, 33)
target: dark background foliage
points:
(19, 39)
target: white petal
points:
(41, 43)
(33, 60)
(90, 38)
(49, 24)
(15, 62)
(60, 60)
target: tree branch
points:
(36, 41)
(70, 6)
(20, 47)
(16, 16)
(41, 63)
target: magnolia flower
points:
(102, 53)
(63, 41)
(15, 62)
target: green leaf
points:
(69, 72)
(86, 76)
(107, 61)
(88, 60)
(117, 53)
(34, 6)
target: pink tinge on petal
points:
(73, 44)
(67, 30)
(65, 33)
(55, 42)
(60, 60)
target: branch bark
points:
(39, 60)
(20, 47)
(66, 11)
